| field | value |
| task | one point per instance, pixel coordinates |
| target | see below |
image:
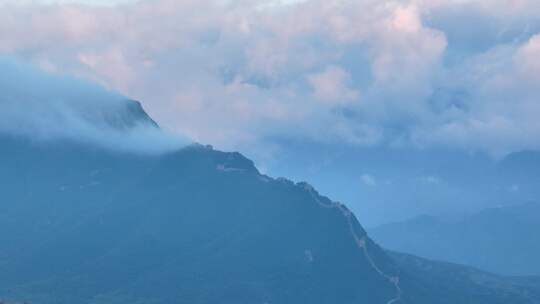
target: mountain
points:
(43, 106)
(501, 240)
(461, 284)
(99, 206)
(390, 184)
(83, 224)
(194, 226)
(129, 115)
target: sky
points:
(256, 76)
(56, 2)
(457, 73)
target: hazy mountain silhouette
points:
(501, 240)
(83, 224)
(390, 184)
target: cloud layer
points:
(45, 107)
(458, 73)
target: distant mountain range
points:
(82, 224)
(383, 185)
(502, 240)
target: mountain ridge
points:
(195, 159)
(482, 240)
(195, 225)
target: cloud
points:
(430, 180)
(514, 188)
(331, 85)
(526, 60)
(499, 109)
(47, 107)
(368, 180)
(458, 73)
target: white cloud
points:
(331, 85)
(368, 180)
(526, 60)
(430, 179)
(47, 107)
(363, 72)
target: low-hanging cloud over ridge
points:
(405, 72)
(44, 107)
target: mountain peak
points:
(60, 107)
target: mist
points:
(43, 106)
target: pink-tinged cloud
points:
(332, 86)
(403, 72)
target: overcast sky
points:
(87, 2)
(414, 73)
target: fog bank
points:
(44, 107)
